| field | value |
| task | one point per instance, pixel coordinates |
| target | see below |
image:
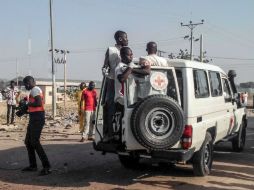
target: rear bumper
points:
(176, 155)
(107, 147)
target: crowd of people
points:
(117, 68)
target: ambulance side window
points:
(171, 90)
(201, 89)
(215, 83)
(226, 90)
(179, 76)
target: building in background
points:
(46, 86)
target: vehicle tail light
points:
(187, 137)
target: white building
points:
(46, 86)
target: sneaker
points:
(83, 139)
(45, 171)
(90, 138)
(29, 169)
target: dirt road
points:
(87, 169)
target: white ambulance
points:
(176, 114)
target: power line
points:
(230, 36)
(234, 35)
(232, 58)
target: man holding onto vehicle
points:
(11, 94)
(81, 106)
(34, 128)
(152, 58)
(112, 59)
(89, 96)
(122, 73)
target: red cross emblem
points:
(159, 80)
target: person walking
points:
(11, 94)
(89, 96)
(112, 59)
(81, 115)
(36, 122)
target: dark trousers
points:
(118, 117)
(120, 108)
(32, 141)
(10, 112)
(109, 108)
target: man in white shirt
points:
(112, 59)
(123, 71)
(11, 94)
(152, 58)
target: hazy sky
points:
(86, 29)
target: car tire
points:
(157, 122)
(238, 142)
(129, 161)
(202, 159)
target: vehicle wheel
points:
(238, 142)
(157, 122)
(129, 161)
(202, 160)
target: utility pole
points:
(63, 61)
(160, 53)
(201, 48)
(29, 52)
(65, 72)
(191, 26)
(17, 72)
(53, 64)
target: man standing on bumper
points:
(112, 59)
(34, 128)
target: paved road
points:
(88, 169)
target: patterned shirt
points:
(11, 95)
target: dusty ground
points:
(87, 169)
